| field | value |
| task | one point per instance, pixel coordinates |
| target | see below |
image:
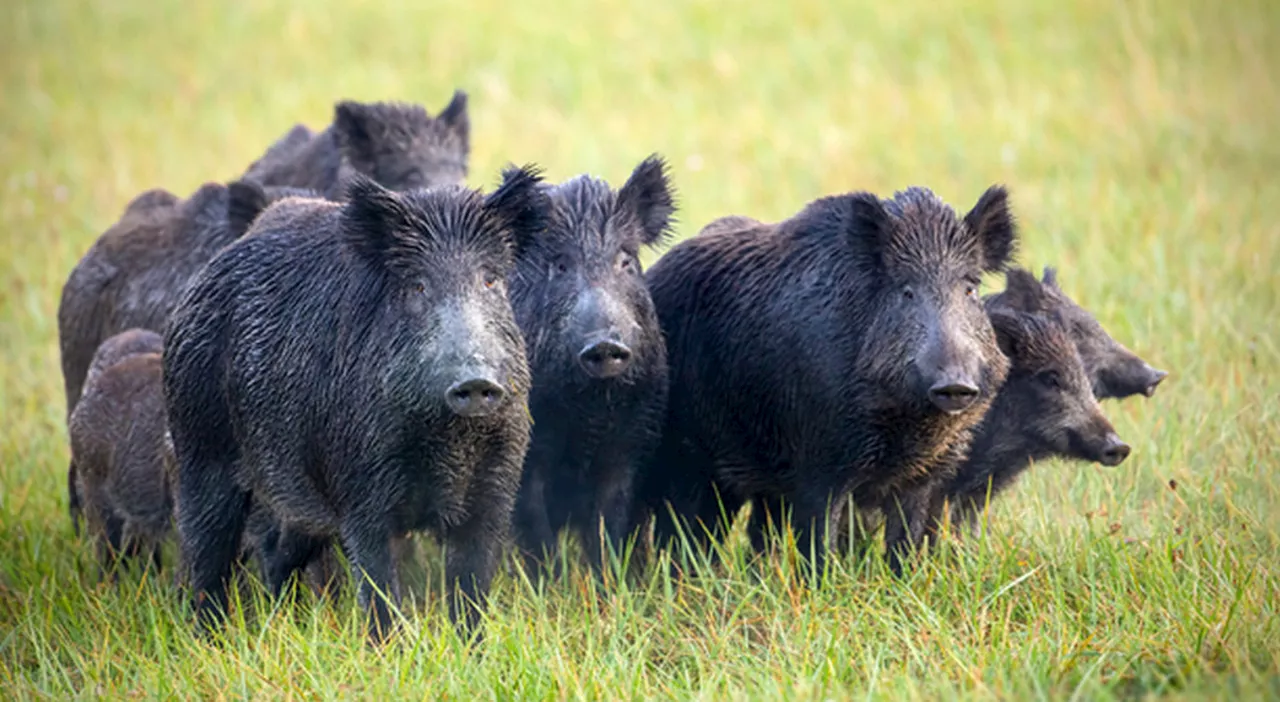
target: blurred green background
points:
(1139, 142)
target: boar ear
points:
(156, 198)
(1012, 330)
(519, 204)
(1022, 292)
(870, 219)
(375, 219)
(992, 222)
(455, 116)
(1050, 277)
(245, 201)
(648, 194)
(355, 125)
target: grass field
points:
(1139, 141)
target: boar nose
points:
(476, 397)
(1155, 376)
(605, 359)
(952, 396)
(1114, 451)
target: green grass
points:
(1139, 140)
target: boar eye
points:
(490, 280)
(419, 287)
(908, 293)
(626, 262)
(1051, 379)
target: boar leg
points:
(211, 517)
(137, 543)
(911, 518)
(966, 511)
(292, 551)
(537, 538)
(766, 520)
(74, 507)
(475, 545)
(610, 516)
(813, 513)
(472, 557)
(368, 548)
(110, 541)
(699, 518)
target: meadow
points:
(1138, 139)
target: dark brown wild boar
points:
(843, 354)
(117, 433)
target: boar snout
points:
(1125, 377)
(475, 397)
(1154, 376)
(1113, 450)
(604, 326)
(950, 363)
(605, 358)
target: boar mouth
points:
(953, 398)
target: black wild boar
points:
(1046, 408)
(596, 355)
(1113, 370)
(842, 354)
(134, 274)
(117, 433)
(283, 149)
(396, 144)
(357, 369)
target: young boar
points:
(842, 354)
(597, 357)
(1114, 371)
(117, 433)
(1045, 409)
(134, 274)
(356, 369)
(398, 145)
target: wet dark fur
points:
(308, 367)
(1114, 371)
(117, 433)
(791, 359)
(396, 144)
(134, 274)
(580, 276)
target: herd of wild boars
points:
(346, 345)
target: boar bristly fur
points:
(597, 357)
(842, 354)
(357, 370)
(395, 144)
(117, 433)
